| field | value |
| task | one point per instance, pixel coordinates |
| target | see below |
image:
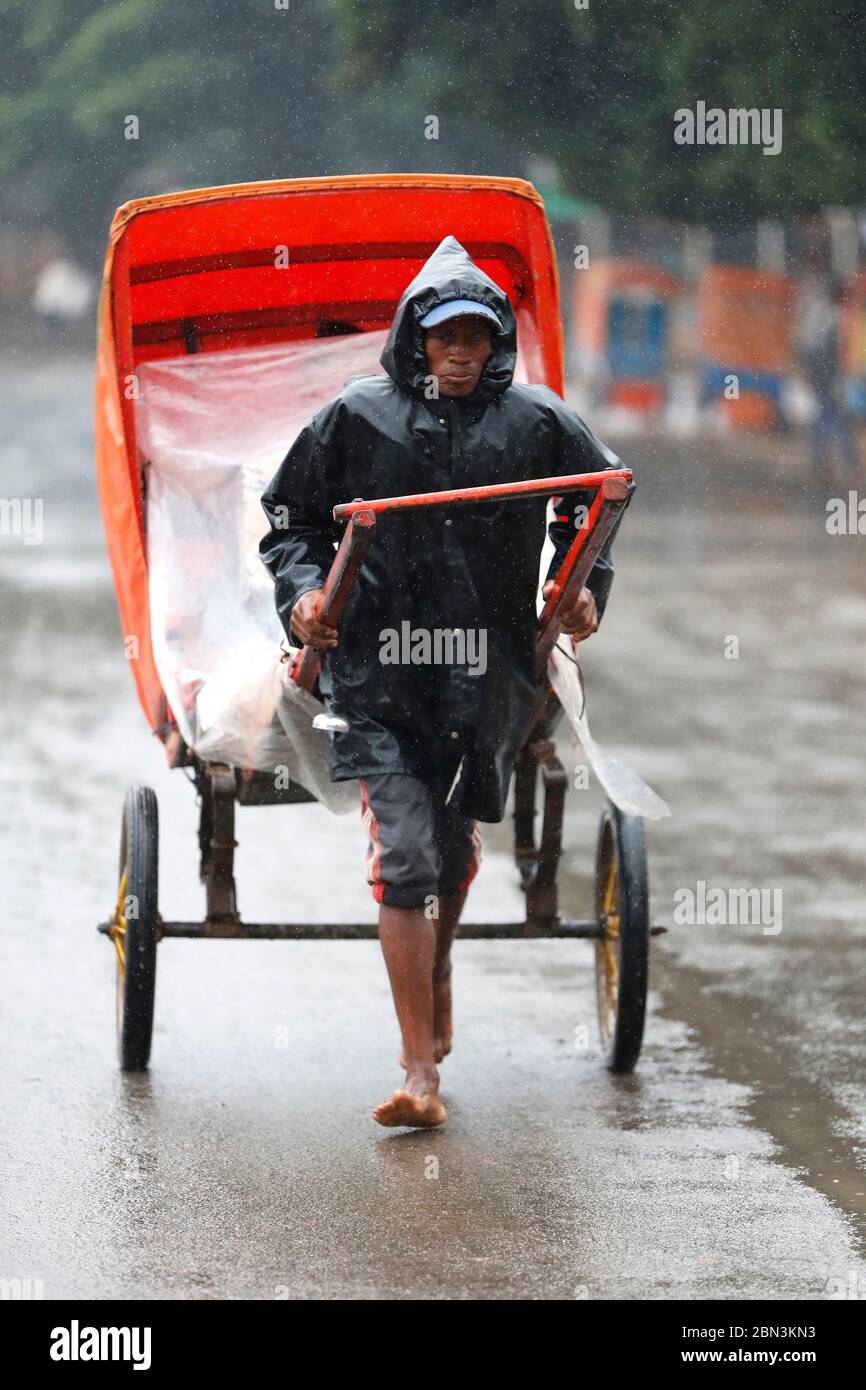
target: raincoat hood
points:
(449, 274)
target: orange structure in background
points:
(745, 329)
(621, 317)
(852, 344)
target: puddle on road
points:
(750, 1044)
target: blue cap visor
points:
(456, 307)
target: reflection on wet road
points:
(246, 1164)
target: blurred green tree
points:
(231, 89)
(596, 88)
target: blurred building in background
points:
(693, 329)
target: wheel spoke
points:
(607, 950)
(117, 930)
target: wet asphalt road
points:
(246, 1164)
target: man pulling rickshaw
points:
(433, 745)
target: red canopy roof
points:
(216, 268)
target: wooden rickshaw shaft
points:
(612, 494)
(487, 492)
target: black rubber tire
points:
(136, 983)
(621, 841)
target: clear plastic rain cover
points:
(213, 429)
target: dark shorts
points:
(419, 848)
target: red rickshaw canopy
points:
(216, 268)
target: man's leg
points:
(408, 940)
(403, 869)
(460, 847)
(450, 908)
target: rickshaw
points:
(227, 317)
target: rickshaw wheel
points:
(622, 951)
(134, 928)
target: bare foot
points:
(417, 1104)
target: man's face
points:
(457, 352)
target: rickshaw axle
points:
(235, 930)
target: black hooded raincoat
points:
(463, 568)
